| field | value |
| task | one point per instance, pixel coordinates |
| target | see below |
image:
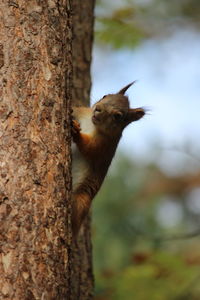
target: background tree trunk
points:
(81, 279)
(37, 260)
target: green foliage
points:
(117, 210)
(130, 23)
(130, 250)
(119, 29)
(191, 10)
(162, 277)
(118, 33)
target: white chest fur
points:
(86, 123)
(79, 164)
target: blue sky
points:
(168, 74)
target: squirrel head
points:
(112, 113)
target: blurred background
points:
(146, 218)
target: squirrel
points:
(96, 132)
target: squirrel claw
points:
(75, 127)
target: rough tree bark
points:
(37, 260)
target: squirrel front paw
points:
(76, 128)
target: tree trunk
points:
(81, 279)
(37, 260)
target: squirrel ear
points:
(122, 91)
(134, 114)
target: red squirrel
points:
(96, 132)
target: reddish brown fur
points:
(97, 148)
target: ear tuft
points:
(124, 89)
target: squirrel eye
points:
(118, 116)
